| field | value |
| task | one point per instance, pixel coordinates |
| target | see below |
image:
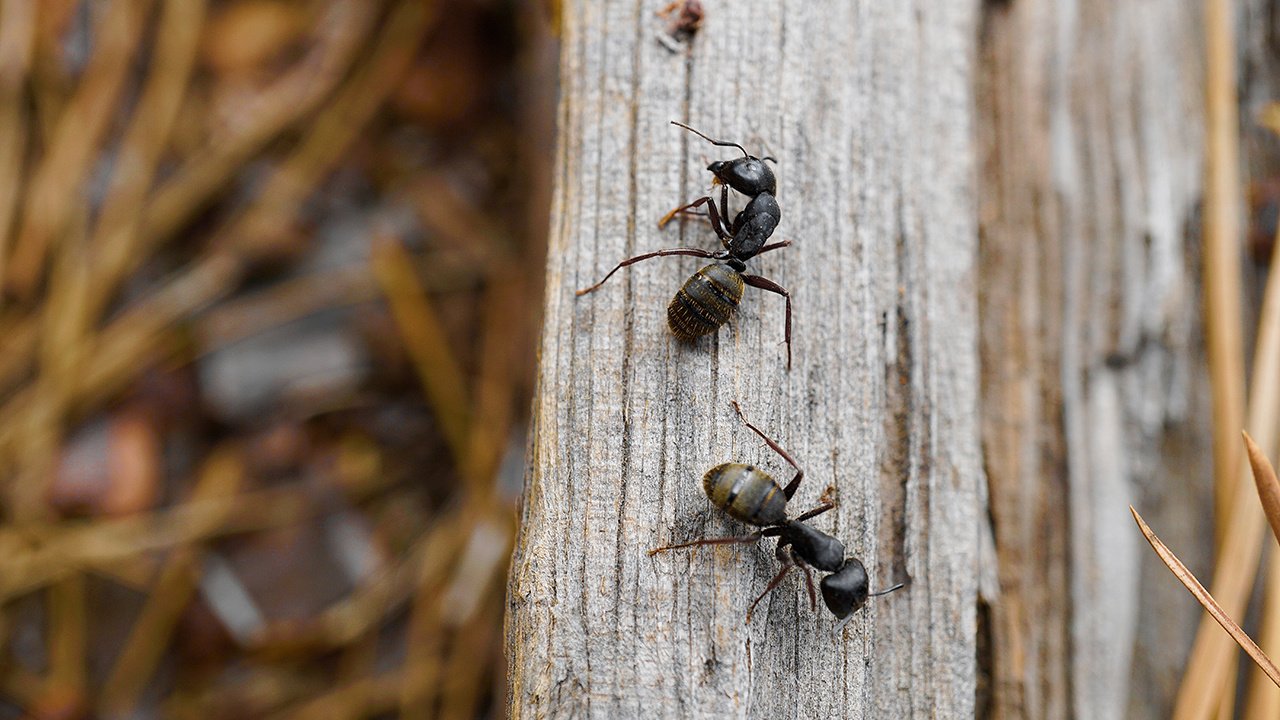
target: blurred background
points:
(271, 273)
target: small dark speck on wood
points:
(684, 20)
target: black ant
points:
(748, 175)
(708, 298)
(751, 495)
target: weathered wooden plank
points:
(1094, 386)
(868, 107)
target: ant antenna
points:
(840, 626)
(770, 158)
(721, 143)
(899, 586)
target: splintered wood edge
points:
(1264, 476)
(1211, 606)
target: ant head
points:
(847, 590)
(814, 546)
(748, 175)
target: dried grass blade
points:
(1264, 476)
(149, 638)
(17, 43)
(1263, 699)
(338, 124)
(1269, 117)
(201, 176)
(68, 638)
(500, 357)
(366, 697)
(80, 130)
(1222, 297)
(287, 102)
(35, 556)
(425, 340)
(114, 236)
(1206, 678)
(21, 686)
(427, 562)
(332, 132)
(1211, 606)
(21, 334)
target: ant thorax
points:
(814, 546)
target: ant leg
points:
(691, 206)
(720, 221)
(840, 625)
(690, 252)
(790, 489)
(692, 214)
(808, 581)
(828, 502)
(787, 564)
(731, 228)
(766, 284)
(720, 225)
(753, 537)
(773, 246)
(815, 512)
(785, 556)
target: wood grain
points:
(994, 207)
(1094, 387)
(868, 106)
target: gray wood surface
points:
(869, 108)
(1090, 128)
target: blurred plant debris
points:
(271, 272)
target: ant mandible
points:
(708, 298)
(750, 495)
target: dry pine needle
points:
(1211, 606)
